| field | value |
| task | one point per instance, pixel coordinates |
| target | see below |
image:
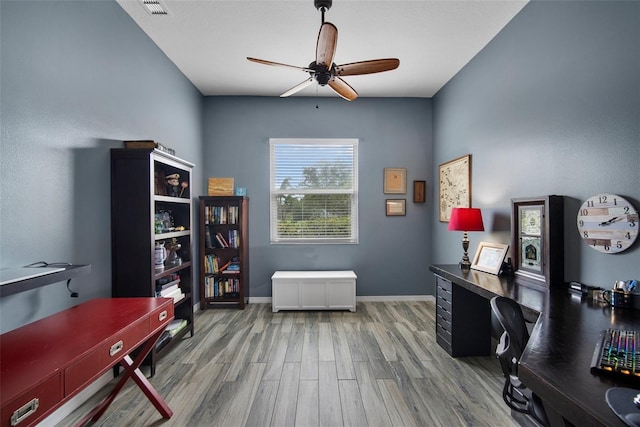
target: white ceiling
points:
(209, 41)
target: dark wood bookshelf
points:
(236, 224)
(146, 211)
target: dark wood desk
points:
(47, 362)
(556, 362)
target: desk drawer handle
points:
(23, 412)
(162, 316)
(116, 348)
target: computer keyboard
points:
(617, 352)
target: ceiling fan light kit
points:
(324, 70)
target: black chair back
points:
(509, 351)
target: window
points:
(314, 190)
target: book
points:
(143, 143)
(176, 294)
(232, 268)
(175, 326)
(170, 289)
(224, 266)
(163, 340)
(222, 240)
(207, 238)
(148, 143)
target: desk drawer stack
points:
(463, 320)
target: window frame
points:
(275, 192)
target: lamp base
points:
(465, 264)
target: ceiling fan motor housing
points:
(321, 73)
(322, 4)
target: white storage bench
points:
(313, 290)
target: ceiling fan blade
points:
(297, 88)
(278, 64)
(343, 89)
(367, 67)
(326, 46)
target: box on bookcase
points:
(220, 187)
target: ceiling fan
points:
(324, 70)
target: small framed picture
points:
(396, 207)
(489, 257)
(395, 181)
(419, 188)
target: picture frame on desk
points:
(489, 257)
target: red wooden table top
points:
(34, 352)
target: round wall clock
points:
(608, 223)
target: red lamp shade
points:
(466, 219)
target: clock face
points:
(608, 223)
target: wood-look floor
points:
(379, 366)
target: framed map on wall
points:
(455, 186)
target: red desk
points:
(47, 362)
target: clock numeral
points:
(585, 212)
(628, 235)
(619, 244)
(602, 199)
(581, 223)
(589, 204)
(626, 210)
(585, 234)
(606, 247)
(632, 223)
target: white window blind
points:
(314, 190)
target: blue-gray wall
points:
(393, 255)
(77, 78)
(550, 106)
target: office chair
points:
(513, 339)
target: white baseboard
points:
(396, 298)
(364, 298)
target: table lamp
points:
(465, 219)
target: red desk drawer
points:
(45, 396)
(95, 363)
(161, 317)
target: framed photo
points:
(395, 180)
(455, 186)
(396, 207)
(489, 257)
(419, 189)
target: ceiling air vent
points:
(154, 7)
